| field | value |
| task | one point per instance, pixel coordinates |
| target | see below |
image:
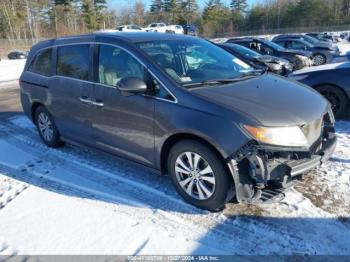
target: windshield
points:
(273, 45)
(194, 61)
(310, 39)
(244, 51)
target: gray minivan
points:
(181, 105)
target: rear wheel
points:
(46, 127)
(319, 59)
(199, 175)
(336, 97)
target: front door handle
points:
(85, 100)
(98, 103)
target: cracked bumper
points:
(298, 167)
(262, 169)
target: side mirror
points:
(132, 85)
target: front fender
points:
(172, 119)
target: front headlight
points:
(274, 67)
(301, 57)
(278, 136)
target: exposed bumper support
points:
(261, 170)
(304, 165)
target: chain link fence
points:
(276, 31)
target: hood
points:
(269, 99)
(299, 52)
(272, 59)
(325, 67)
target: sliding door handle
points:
(85, 100)
(98, 103)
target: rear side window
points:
(42, 63)
(73, 61)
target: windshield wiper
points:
(213, 82)
(240, 77)
(254, 72)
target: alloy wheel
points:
(319, 60)
(45, 126)
(195, 175)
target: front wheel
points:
(199, 175)
(319, 59)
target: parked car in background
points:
(344, 35)
(157, 27)
(17, 55)
(175, 29)
(320, 55)
(299, 58)
(332, 81)
(274, 64)
(130, 28)
(311, 40)
(182, 106)
(320, 37)
(190, 29)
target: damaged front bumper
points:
(256, 168)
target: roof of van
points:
(128, 36)
(132, 37)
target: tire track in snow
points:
(169, 211)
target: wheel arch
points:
(175, 138)
(335, 86)
(34, 106)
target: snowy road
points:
(73, 200)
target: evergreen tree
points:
(89, 15)
(156, 6)
(239, 5)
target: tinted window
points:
(42, 63)
(115, 64)
(296, 45)
(73, 61)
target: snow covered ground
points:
(80, 201)
(74, 200)
(10, 70)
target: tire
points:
(46, 127)
(319, 59)
(336, 97)
(203, 193)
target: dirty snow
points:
(80, 201)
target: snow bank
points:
(11, 69)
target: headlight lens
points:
(279, 136)
(301, 57)
(274, 67)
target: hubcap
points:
(319, 60)
(195, 175)
(45, 126)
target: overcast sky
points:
(129, 3)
